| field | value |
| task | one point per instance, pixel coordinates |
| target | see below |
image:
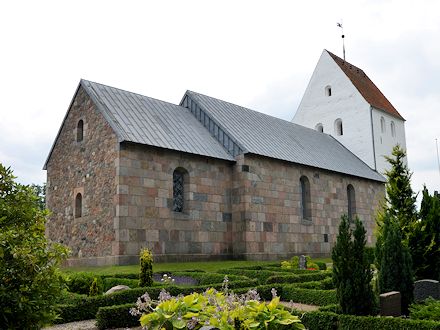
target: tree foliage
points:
(351, 270)
(29, 278)
(424, 239)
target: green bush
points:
(80, 282)
(116, 317)
(325, 284)
(260, 275)
(320, 321)
(110, 282)
(294, 278)
(321, 265)
(370, 252)
(94, 288)
(30, 281)
(146, 265)
(307, 296)
(428, 310)
(131, 276)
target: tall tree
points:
(351, 270)
(30, 281)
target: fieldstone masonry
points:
(247, 209)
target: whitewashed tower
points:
(342, 101)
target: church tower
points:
(342, 101)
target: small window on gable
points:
(393, 129)
(328, 90)
(78, 205)
(351, 199)
(319, 128)
(306, 203)
(338, 127)
(382, 125)
(180, 182)
(80, 131)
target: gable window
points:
(382, 125)
(180, 176)
(338, 127)
(319, 128)
(328, 90)
(306, 204)
(351, 198)
(80, 131)
(78, 205)
(393, 129)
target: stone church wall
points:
(87, 167)
(267, 215)
(144, 215)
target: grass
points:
(207, 266)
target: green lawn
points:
(208, 266)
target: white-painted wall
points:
(384, 141)
(345, 103)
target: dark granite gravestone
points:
(426, 288)
(390, 304)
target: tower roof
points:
(366, 87)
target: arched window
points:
(328, 90)
(78, 205)
(306, 204)
(319, 128)
(180, 178)
(351, 198)
(338, 127)
(393, 129)
(382, 125)
(80, 131)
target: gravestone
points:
(426, 288)
(302, 262)
(390, 304)
(117, 288)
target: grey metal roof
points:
(141, 119)
(268, 136)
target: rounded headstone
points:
(117, 288)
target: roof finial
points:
(343, 36)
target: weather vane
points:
(343, 36)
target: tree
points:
(30, 281)
(395, 262)
(146, 268)
(351, 270)
(40, 192)
(424, 239)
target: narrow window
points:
(382, 124)
(338, 127)
(80, 131)
(180, 176)
(328, 90)
(78, 205)
(306, 205)
(319, 128)
(393, 129)
(351, 198)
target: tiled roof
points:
(366, 87)
(265, 135)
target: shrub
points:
(146, 272)
(116, 317)
(30, 281)
(294, 278)
(307, 296)
(81, 282)
(94, 288)
(110, 282)
(321, 265)
(428, 310)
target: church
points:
(206, 179)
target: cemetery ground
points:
(306, 293)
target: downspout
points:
(372, 136)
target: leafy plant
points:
(146, 271)
(30, 281)
(428, 310)
(94, 291)
(81, 282)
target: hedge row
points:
(325, 284)
(86, 307)
(332, 321)
(110, 282)
(116, 317)
(296, 278)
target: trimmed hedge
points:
(308, 296)
(80, 282)
(110, 282)
(292, 271)
(87, 307)
(325, 284)
(330, 321)
(295, 278)
(131, 276)
(116, 317)
(209, 278)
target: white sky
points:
(258, 54)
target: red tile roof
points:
(366, 87)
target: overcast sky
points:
(258, 54)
